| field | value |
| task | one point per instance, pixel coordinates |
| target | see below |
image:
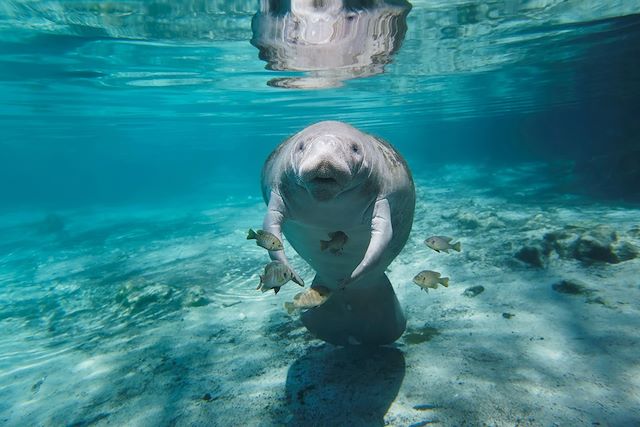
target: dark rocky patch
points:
(425, 407)
(418, 336)
(473, 291)
(532, 255)
(472, 221)
(137, 296)
(597, 300)
(195, 297)
(599, 244)
(508, 315)
(571, 288)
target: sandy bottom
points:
(151, 318)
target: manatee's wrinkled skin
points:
(332, 177)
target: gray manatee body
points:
(332, 177)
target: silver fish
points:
(336, 244)
(313, 297)
(265, 239)
(430, 279)
(275, 275)
(442, 243)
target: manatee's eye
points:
(301, 146)
(355, 148)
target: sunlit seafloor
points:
(152, 317)
(132, 138)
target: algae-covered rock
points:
(532, 255)
(595, 245)
(571, 287)
(473, 291)
(625, 251)
(474, 221)
(420, 335)
(138, 296)
(599, 244)
(195, 297)
(560, 240)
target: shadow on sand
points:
(352, 386)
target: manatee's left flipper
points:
(381, 234)
(275, 216)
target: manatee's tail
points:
(251, 234)
(444, 281)
(456, 247)
(324, 244)
(365, 312)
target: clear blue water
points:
(133, 134)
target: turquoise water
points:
(132, 140)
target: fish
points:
(265, 239)
(276, 274)
(442, 243)
(313, 297)
(336, 244)
(430, 279)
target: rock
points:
(600, 244)
(571, 287)
(597, 300)
(136, 296)
(560, 240)
(207, 397)
(532, 255)
(595, 245)
(195, 297)
(464, 219)
(472, 221)
(420, 335)
(625, 251)
(473, 291)
(507, 315)
(590, 250)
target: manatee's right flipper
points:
(381, 234)
(365, 313)
(276, 213)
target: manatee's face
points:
(327, 164)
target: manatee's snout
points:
(323, 169)
(324, 172)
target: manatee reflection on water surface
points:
(331, 40)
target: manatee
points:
(332, 177)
